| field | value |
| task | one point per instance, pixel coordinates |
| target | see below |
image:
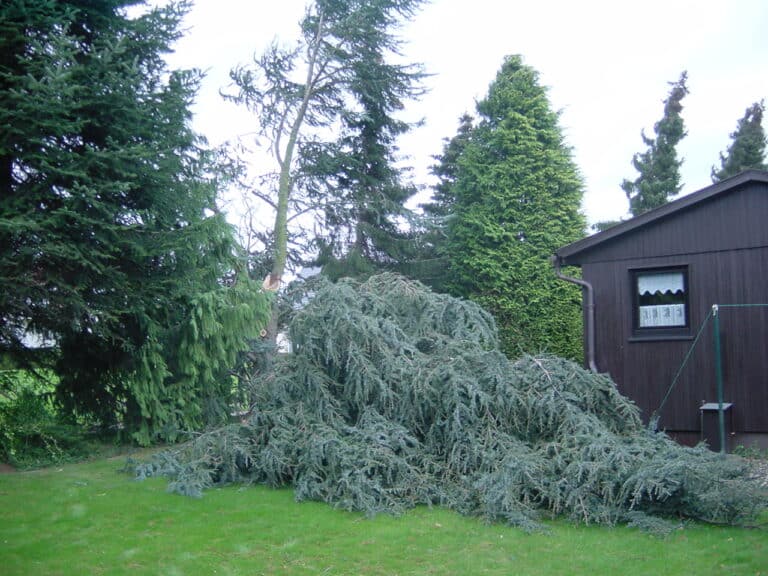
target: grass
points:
(89, 519)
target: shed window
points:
(661, 300)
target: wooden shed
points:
(650, 285)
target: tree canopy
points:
(431, 266)
(338, 79)
(747, 149)
(447, 170)
(516, 199)
(397, 396)
(356, 178)
(111, 245)
(658, 166)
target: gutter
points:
(589, 307)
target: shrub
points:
(32, 434)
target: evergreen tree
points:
(432, 265)
(658, 166)
(110, 241)
(345, 83)
(604, 225)
(517, 197)
(356, 179)
(446, 170)
(747, 149)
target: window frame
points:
(659, 332)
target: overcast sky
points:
(607, 65)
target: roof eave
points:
(567, 254)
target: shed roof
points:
(570, 254)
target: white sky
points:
(607, 65)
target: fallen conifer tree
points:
(396, 396)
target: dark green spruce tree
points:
(517, 197)
(747, 149)
(111, 245)
(336, 79)
(356, 179)
(432, 268)
(446, 170)
(658, 166)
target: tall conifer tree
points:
(110, 241)
(356, 179)
(517, 197)
(659, 166)
(432, 265)
(336, 78)
(747, 149)
(446, 169)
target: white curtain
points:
(652, 283)
(662, 315)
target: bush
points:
(751, 452)
(32, 434)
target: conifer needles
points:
(396, 396)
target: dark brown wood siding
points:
(724, 244)
(736, 219)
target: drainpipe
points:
(589, 306)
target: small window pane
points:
(661, 300)
(663, 315)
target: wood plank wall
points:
(724, 244)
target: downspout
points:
(589, 307)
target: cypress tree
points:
(517, 197)
(110, 241)
(658, 166)
(747, 149)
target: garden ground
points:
(90, 519)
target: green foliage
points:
(604, 225)
(356, 179)
(658, 166)
(397, 396)
(747, 149)
(516, 199)
(32, 432)
(447, 169)
(110, 237)
(751, 452)
(432, 268)
(190, 387)
(327, 106)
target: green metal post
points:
(719, 377)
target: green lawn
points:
(87, 519)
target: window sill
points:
(659, 337)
